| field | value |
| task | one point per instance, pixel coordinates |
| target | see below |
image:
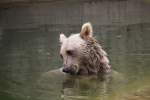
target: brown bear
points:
(82, 54)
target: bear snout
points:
(71, 69)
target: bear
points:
(82, 54)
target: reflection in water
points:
(84, 88)
(29, 48)
(78, 87)
(109, 87)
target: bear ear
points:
(62, 37)
(87, 30)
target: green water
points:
(29, 50)
(28, 57)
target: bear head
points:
(82, 54)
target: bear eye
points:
(69, 52)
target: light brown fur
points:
(94, 56)
(82, 54)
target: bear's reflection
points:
(58, 85)
(85, 87)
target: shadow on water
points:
(29, 49)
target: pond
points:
(29, 49)
(28, 56)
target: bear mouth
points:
(73, 70)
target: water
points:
(29, 49)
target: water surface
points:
(29, 50)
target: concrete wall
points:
(99, 12)
(29, 30)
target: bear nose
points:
(66, 70)
(70, 70)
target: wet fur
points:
(89, 56)
(93, 54)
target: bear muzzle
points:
(73, 69)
